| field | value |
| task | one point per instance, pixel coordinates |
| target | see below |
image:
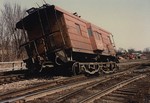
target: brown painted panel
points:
(79, 38)
(75, 20)
(81, 45)
(73, 31)
(93, 43)
(82, 42)
(82, 50)
(104, 42)
(79, 42)
(70, 24)
(72, 28)
(97, 39)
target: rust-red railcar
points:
(56, 38)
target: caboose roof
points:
(26, 23)
(59, 9)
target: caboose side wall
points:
(92, 38)
(77, 32)
(82, 42)
(108, 45)
(97, 39)
(103, 41)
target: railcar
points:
(57, 38)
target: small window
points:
(78, 29)
(98, 35)
(110, 39)
(90, 31)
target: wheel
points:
(75, 68)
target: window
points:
(90, 31)
(98, 35)
(110, 39)
(78, 29)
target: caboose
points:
(57, 38)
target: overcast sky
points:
(127, 20)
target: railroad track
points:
(48, 89)
(15, 75)
(4, 73)
(58, 86)
(76, 95)
(124, 95)
(90, 93)
(136, 92)
(11, 78)
(106, 91)
(16, 95)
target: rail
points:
(11, 78)
(26, 96)
(100, 94)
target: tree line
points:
(10, 38)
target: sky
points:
(127, 20)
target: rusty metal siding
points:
(83, 42)
(97, 39)
(104, 43)
(79, 42)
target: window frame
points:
(98, 35)
(90, 32)
(78, 28)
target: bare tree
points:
(11, 38)
(1, 39)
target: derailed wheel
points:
(75, 68)
(106, 68)
(109, 68)
(90, 68)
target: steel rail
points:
(74, 92)
(88, 86)
(11, 78)
(35, 88)
(100, 94)
(133, 62)
(32, 94)
(26, 97)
